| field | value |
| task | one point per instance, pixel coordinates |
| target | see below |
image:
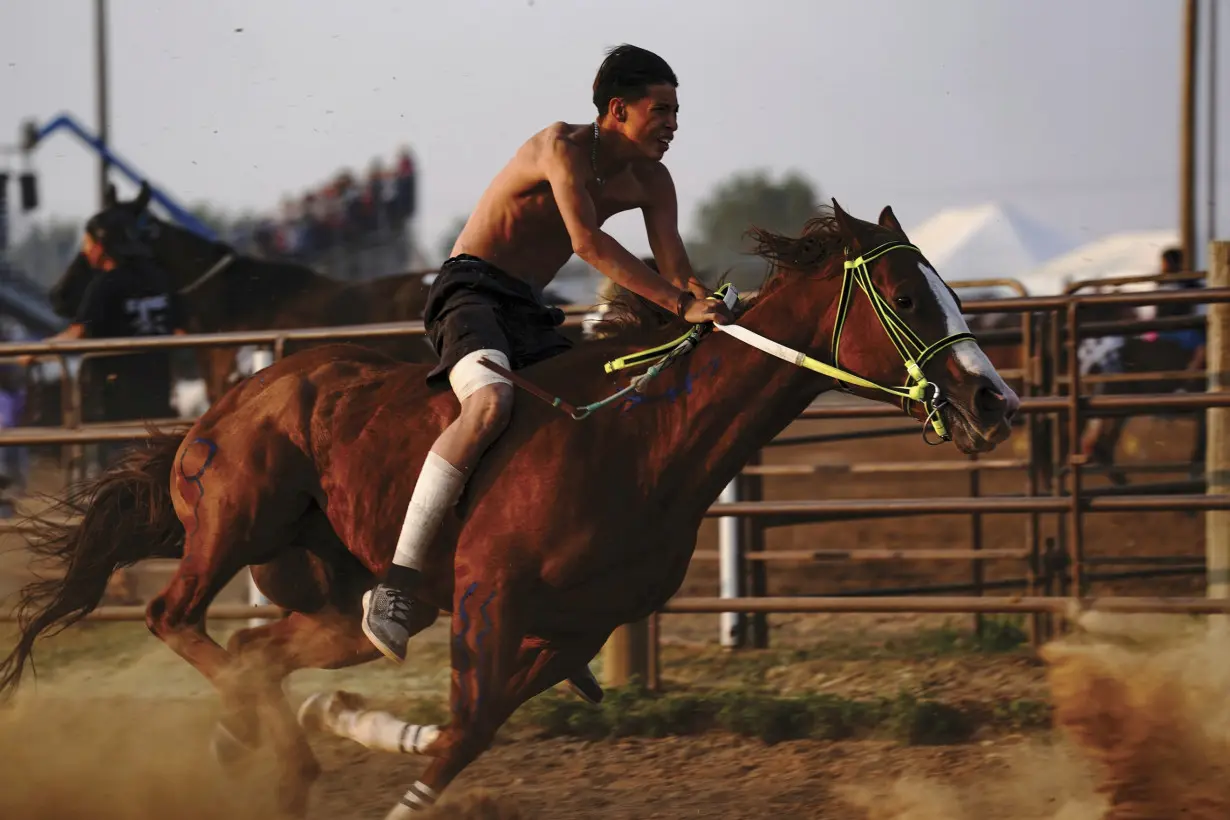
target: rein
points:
(217, 268)
(914, 352)
(666, 355)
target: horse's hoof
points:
(320, 711)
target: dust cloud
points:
(1141, 706)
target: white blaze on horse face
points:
(967, 353)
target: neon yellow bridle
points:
(913, 351)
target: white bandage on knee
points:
(468, 375)
(438, 488)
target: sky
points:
(1066, 109)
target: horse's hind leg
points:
(265, 655)
(328, 637)
(230, 519)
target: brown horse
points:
(566, 531)
(223, 290)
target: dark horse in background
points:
(224, 290)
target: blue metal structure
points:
(36, 134)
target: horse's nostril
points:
(988, 402)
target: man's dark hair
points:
(626, 72)
(1173, 258)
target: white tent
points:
(990, 241)
(1135, 253)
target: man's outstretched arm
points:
(567, 171)
(661, 210)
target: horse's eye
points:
(904, 302)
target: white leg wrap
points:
(438, 488)
(382, 732)
(379, 731)
(468, 375)
(418, 798)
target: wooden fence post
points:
(626, 655)
(1217, 452)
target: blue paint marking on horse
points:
(478, 649)
(459, 640)
(673, 393)
(195, 480)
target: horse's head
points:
(896, 324)
(121, 230)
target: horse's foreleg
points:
(487, 634)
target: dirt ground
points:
(84, 760)
(127, 724)
(117, 727)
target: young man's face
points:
(650, 122)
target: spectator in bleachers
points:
(347, 213)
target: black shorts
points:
(473, 305)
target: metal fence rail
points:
(1049, 330)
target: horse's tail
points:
(122, 517)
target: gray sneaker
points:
(387, 617)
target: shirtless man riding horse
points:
(548, 203)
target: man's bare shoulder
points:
(655, 182)
(556, 140)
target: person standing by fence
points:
(130, 299)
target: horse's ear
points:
(142, 201)
(110, 197)
(845, 222)
(889, 220)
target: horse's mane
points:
(627, 316)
